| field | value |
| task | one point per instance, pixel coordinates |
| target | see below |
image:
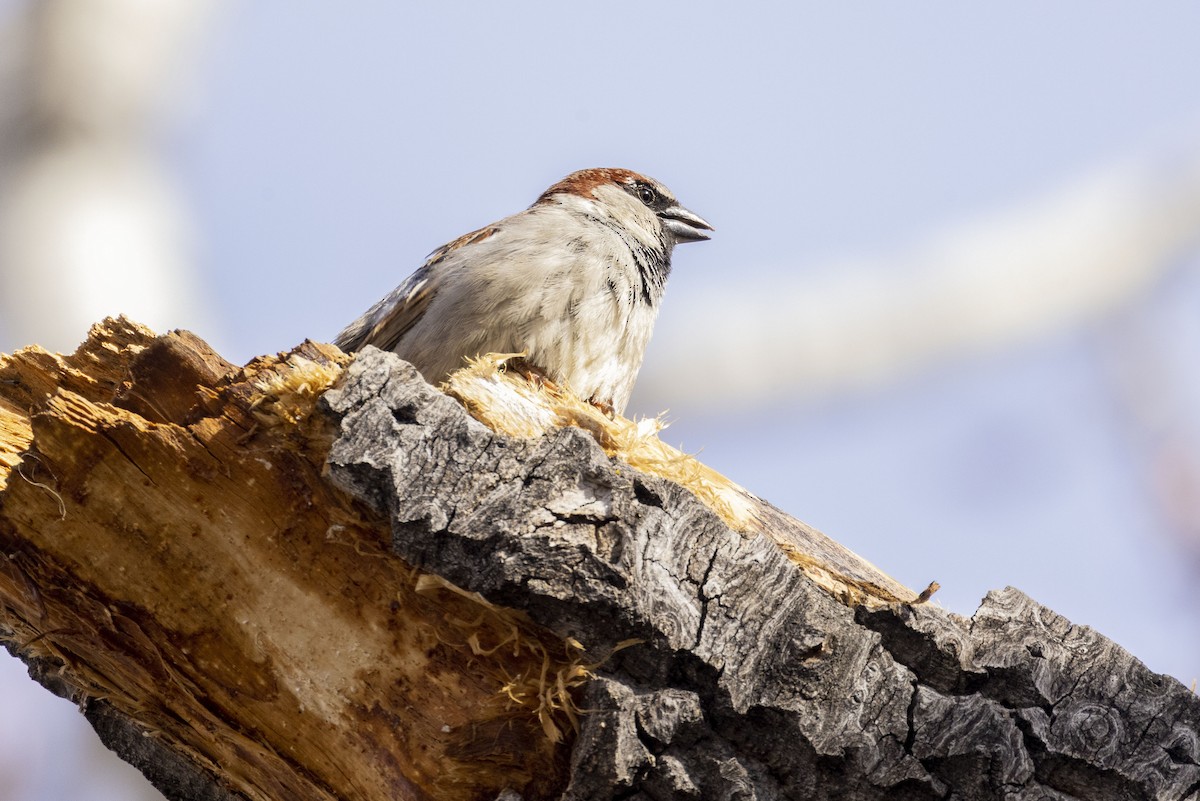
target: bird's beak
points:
(684, 225)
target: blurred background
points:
(949, 315)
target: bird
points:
(573, 283)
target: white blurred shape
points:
(85, 234)
(1003, 279)
(109, 66)
(90, 224)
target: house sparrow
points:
(573, 282)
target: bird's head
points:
(635, 202)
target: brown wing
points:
(388, 320)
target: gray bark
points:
(750, 682)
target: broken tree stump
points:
(313, 577)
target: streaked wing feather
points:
(387, 321)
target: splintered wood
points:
(168, 545)
(170, 549)
(508, 403)
(204, 558)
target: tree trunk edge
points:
(746, 678)
(905, 701)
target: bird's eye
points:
(647, 194)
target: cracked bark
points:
(769, 663)
(750, 680)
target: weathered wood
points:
(513, 406)
(238, 572)
(751, 680)
(174, 561)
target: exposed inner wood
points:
(169, 540)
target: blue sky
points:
(330, 151)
